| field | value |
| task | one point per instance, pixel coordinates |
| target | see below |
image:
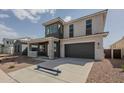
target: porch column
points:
(29, 48)
(38, 48)
(51, 49)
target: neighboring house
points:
(78, 38)
(8, 45)
(15, 46)
(117, 49)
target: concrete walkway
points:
(73, 71)
(4, 78)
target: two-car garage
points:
(80, 50)
(89, 47)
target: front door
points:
(42, 51)
(57, 49)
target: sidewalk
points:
(4, 78)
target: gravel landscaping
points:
(107, 71)
(12, 63)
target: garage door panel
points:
(80, 50)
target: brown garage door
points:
(80, 50)
(117, 53)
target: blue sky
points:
(21, 23)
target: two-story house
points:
(78, 38)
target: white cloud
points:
(33, 14)
(67, 18)
(7, 32)
(4, 16)
(41, 11)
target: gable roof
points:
(117, 41)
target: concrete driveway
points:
(4, 78)
(73, 70)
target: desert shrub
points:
(10, 67)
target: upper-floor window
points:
(51, 29)
(54, 30)
(47, 30)
(88, 27)
(7, 42)
(60, 28)
(71, 30)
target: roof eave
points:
(54, 20)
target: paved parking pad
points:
(73, 70)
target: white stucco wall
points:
(80, 26)
(99, 51)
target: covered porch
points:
(48, 47)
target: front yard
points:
(12, 63)
(107, 71)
